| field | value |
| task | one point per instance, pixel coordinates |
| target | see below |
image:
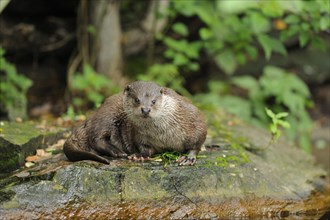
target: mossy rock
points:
(239, 175)
(19, 140)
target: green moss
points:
(11, 204)
(18, 133)
(8, 164)
(143, 184)
(219, 131)
(19, 140)
(58, 187)
(167, 157)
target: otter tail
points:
(74, 154)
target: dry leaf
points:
(32, 158)
(55, 147)
(42, 153)
(29, 164)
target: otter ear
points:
(163, 91)
(128, 88)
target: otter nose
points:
(145, 111)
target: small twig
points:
(56, 45)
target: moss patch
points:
(19, 140)
(221, 135)
(18, 133)
(143, 184)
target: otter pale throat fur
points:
(145, 119)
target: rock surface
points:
(19, 140)
(238, 176)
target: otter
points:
(145, 119)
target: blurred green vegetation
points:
(276, 89)
(89, 87)
(277, 122)
(233, 33)
(13, 89)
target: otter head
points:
(143, 100)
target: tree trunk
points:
(109, 59)
(138, 38)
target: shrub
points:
(13, 89)
(91, 87)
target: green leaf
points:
(266, 45)
(77, 101)
(226, 61)
(234, 105)
(282, 115)
(271, 8)
(235, 7)
(292, 19)
(284, 124)
(291, 31)
(305, 26)
(271, 44)
(95, 97)
(193, 66)
(319, 43)
(246, 82)
(78, 82)
(241, 58)
(252, 51)
(192, 50)
(324, 6)
(169, 53)
(278, 46)
(270, 113)
(311, 6)
(181, 29)
(185, 7)
(273, 129)
(2, 52)
(218, 87)
(180, 59)
(177, 45)
(305, 143)
(297, 85)
(259, 23)
(293, 101)
(206, 13)
(205, 33)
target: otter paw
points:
(186, 161)
(138, 158)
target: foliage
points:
(90, 86)
(276, 89)
(182, 53)
(233, 31)
(167, 157)
(277, 122)
(166, 75)
(13, 89)
(70, 113)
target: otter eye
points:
(153, 101)
(137, 100)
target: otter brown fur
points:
(144, 120)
